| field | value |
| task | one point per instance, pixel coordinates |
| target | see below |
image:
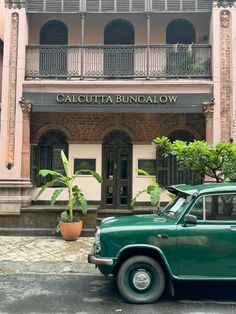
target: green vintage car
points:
(193, 238)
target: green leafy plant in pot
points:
(69, 225)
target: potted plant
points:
(69, 225)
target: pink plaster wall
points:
(2, 20)
(15, 172)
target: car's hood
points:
(136, 221)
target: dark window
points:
(48, 154)
(82, 164)
(53, 53)
(118, 55)
(168, 172)
(180, 31)
(149, 165)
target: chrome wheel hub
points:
(141, 280)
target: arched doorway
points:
(117, 170)
(118, 60)
(53, 61)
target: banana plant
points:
(67, 183)
(153, 190)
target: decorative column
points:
(15, 185)
(148, 17)
(225, 76)
(26, 106)
(208, 110)
(12, 80)
(82, 15)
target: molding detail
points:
(208, 109)
(26, 105)
(226, 3)
(12, 85)
(15, 4)
(224, 18)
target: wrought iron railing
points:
(154, 61)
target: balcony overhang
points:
(117, 103)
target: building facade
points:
(100, 79)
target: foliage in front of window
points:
(216, 161)
(75, 195)
(226, 3)
(153, 190)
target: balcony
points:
(118, 62)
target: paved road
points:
(85, 294)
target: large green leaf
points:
(45, 172)
(79, 199)
(89, 172)
(65, 163)
(155, 195)
(84, 204)
(55, 195)
(47, 185)
(145, 173)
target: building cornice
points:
(15, 4)
(226, 3)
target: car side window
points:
(197, 209)
(218, 207)
(223, 207)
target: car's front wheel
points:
(141, 280)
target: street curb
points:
(46, 268)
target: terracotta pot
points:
(70, 231)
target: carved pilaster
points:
(26, 106)
(12, 85)
(208, 110)
(225, 75)
(224, 18)
(15, 4)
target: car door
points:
(208, 248)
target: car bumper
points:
(92, 259)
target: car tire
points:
(141, 279)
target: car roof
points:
(202, 188)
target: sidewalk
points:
(45, 255)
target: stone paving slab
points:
(44, 254)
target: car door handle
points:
(232, 228)
(162, 236)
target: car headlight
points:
(97, 241)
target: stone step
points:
(42, 220)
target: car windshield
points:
(177, 206)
